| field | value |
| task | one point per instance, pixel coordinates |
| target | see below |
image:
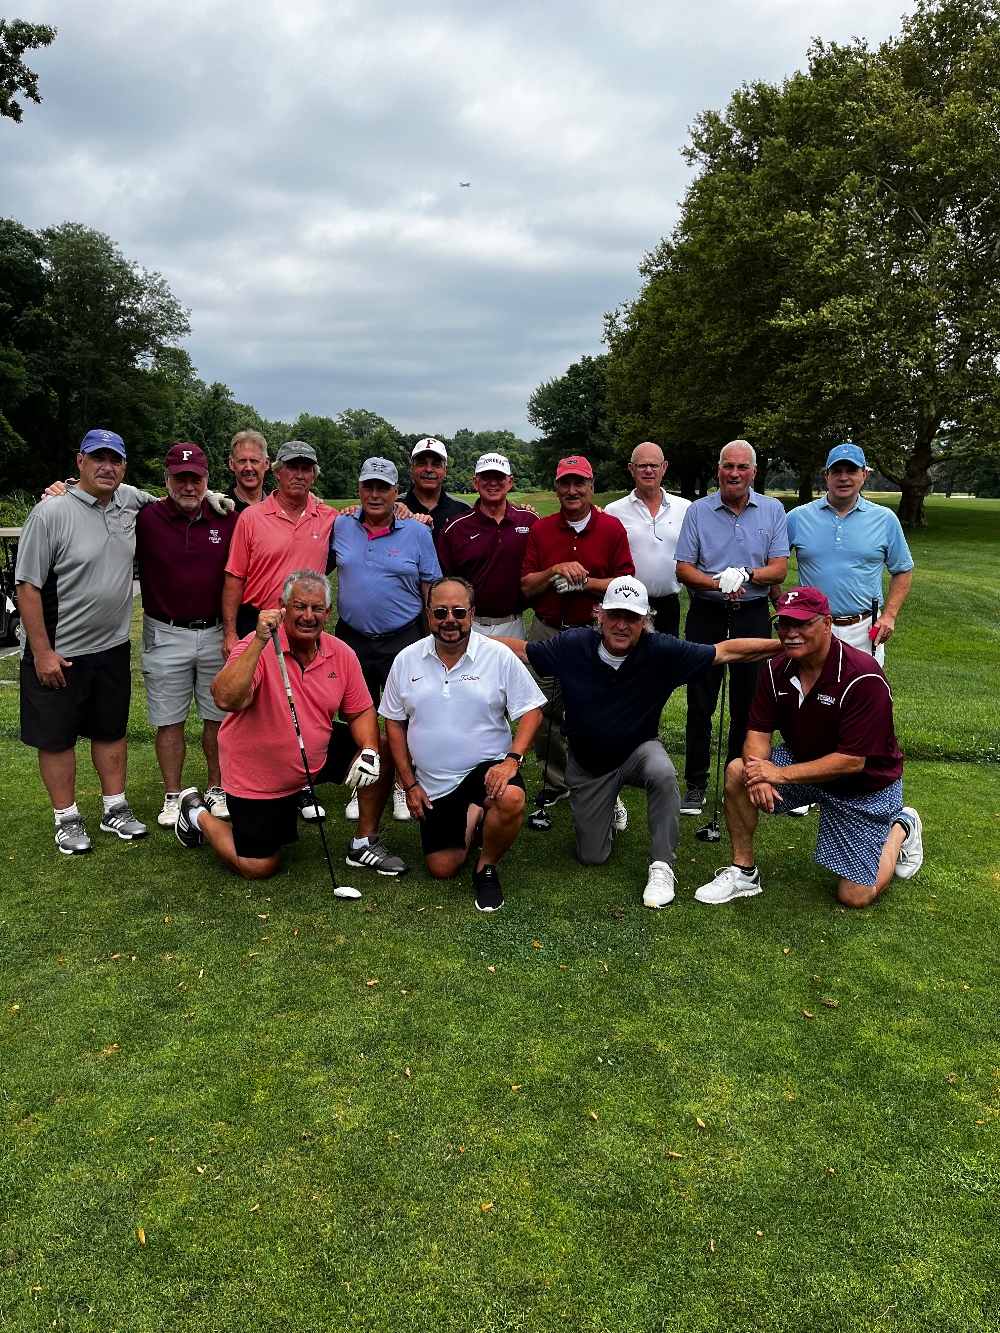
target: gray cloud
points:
(292, 168)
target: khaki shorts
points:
(178, 665)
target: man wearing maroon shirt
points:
(833, 707)
(570, 559)
(486, 546)
(182, 547)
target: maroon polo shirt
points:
(602, 549)
(182, 561)
(847, 711)
(489, 555)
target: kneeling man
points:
(445, 705)
(833, 707)
(615, 680)
(262, 771)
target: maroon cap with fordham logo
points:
(802, 604)
(186, 458)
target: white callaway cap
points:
(430, 446)
(627, 594)
(493, 463)
(379, 469)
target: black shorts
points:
(446, 825)
(94, 701)
(377, 655)
(262, 827)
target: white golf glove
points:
(220, 504)
(364, 771)
(732, 579)
(562, 584)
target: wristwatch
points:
(513, 754)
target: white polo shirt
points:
(652, 540)
(458, 717)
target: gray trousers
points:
(550, 743)
(593, 803)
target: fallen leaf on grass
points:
(516, 1087)
(535, 944)
(461, 1150)
(373, 982)
(406, 1071)
(671, 1153)
(255, 955)
(142, 1236)
(784, 951)
(201, 974)
(255, 1207)
(711, 1246)
(592, 1114)
(831, 1170)
(263, 916)
(486, 1207)
(830, 1004)
(950, 1078)
(760, 1233)
(699, 1122)
(807, 1014)
(491, 969)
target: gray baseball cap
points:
(379, 469)
(296, 449)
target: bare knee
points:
(252, 868)
(856, 895)
(734, 774)
(444, 865)
(510, 802)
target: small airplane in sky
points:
(464, 185)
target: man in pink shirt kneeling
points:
(259, 754)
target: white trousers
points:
(503, 629)
(857, 637)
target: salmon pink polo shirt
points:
(258, 749)
(268, 545)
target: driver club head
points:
(345, 891)
(709, 832)
(540, 820)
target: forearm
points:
(232, 688)
(232, 600)
(599, 586)
(830, 766)
(527, 725)
(693, 578)
(899, 587)
(757, 745)
(746, 650)
(364, 729)
(396, 732)
(773, 572)
(29, 603)
(533, 585)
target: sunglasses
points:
(443, 612)
(786, 623)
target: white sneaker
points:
(352, 812)
(619, 820)
(659, 890)
(911, 854)
(215, 803)
(400, 810)
(730, 882)
(167, 817)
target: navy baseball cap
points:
(847, 453)
(102, 439)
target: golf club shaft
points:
(302, 749)
(874, 618)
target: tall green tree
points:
(16, 37)
(572, 414)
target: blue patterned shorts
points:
(852, 830)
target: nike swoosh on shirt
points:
(413, 678)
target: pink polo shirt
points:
(268, 545)
(258, 750)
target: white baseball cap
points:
(493, 463)
(379, 469)
(627, 594)
(430, 446)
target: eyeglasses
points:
(443, 612)
(647, 467)
(785, 623)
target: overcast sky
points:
(292, 167)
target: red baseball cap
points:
(802, 604)
(186, 458)
(574, 466)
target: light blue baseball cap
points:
(847, 453)
(102, 439)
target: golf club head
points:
(345, 891)
(540, 820)
(709, 832)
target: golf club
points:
(874, 618)
(710, 832)
(540, 820)
(339, 891)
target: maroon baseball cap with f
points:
(186, 458)
(802, 604)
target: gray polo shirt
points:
(713, 538)
(79, 553)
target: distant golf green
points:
(248, 1109)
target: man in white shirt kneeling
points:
(445, 705)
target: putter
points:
(342, 890)
(711, 832)
(874, 618)
(540, 820)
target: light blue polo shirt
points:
(713, 538)
(844, 555)
(379, 578)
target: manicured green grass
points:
(304, 1150)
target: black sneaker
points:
(376, 856)
(188, 834)
(549, 796)
(312, 814)
(489, 894)
(694, 802)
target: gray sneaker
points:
(694, 802)
(376, 856)
(71, 836)
(120, 819)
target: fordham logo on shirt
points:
(522, 529)
(826, 699)
(213, 536)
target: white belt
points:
(497, 620)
